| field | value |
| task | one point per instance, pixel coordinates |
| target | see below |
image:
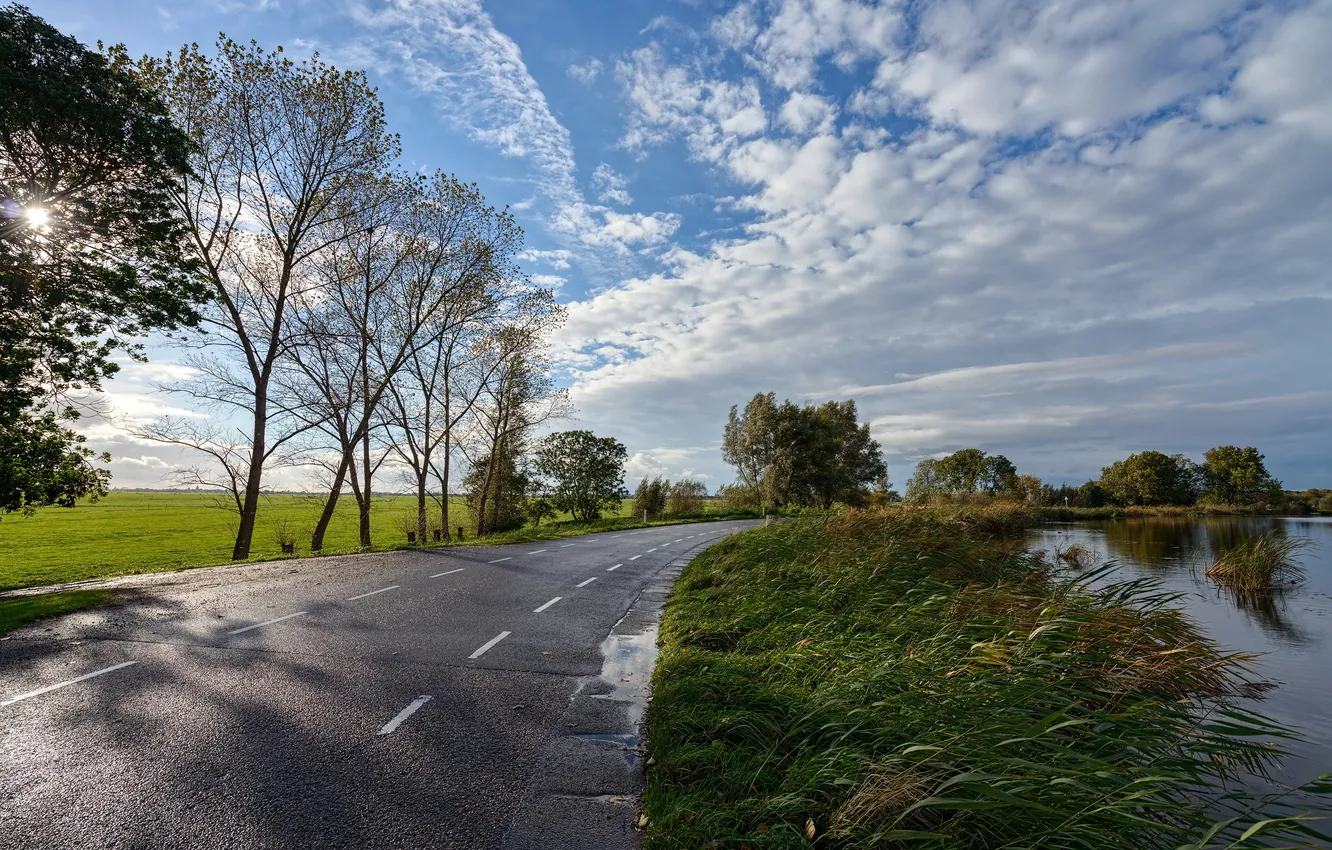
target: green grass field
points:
(127, 533)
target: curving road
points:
(480, 697)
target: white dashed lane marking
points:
(586, 583)
(547, 605)
(372, 593)
(614, 568)
(449, 573)
(635, 558)
(488, 645)
(403, 715)
(501, 560)
(49, 688)
(267, 622)
(537, 552)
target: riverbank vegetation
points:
(1262, 563)
(905, 678)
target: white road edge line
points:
(403, 715)
(268, 622)
(449, 573)
(537, 552)
(614, 568)
(50, 688)
(488, 645)
(373, 592)
(502, 560)
(586, 583)
(547, 605)
(635, 558)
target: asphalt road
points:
(440, 698)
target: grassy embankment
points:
(903, 679)
(127, 533)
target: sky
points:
(1063, 231)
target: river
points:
(1292, 629)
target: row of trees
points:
(801, 456)
(1228, 475)
(341, 315)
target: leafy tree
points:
(91, 255)
(538, 508)
(884, 494)
(809, 456)
(585, 472)
(686, 496)
(1235, 476)
(1151, 478)
(497, 489)
(964, 471)
(650, 497)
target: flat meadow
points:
(127, 532)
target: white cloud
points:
(668, 100)
(808, 113)
(556, 259)
(548, 281)
(1135, 280)
(611, 186)
(587, 72)
(625, 229)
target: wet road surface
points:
(480, 697)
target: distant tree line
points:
(1227, 475)
(656, 498)
(789, 455)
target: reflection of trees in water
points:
(1169, 541)
(1164, 543)
(1268, 610)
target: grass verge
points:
(907, 679)
(24, 609)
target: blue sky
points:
(1059, 230)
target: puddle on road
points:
(627, 670)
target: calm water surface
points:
(1293, 629)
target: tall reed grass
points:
(906, 679)
(1265, 562)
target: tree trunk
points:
(421, 505)
(321, 527)
(365, 489)
(253, 479)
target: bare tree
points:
(386, 287)
(278, 146)
(442, 382)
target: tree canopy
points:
(964, 471)
(91, 255)
(802, 455)
(585, 473)
(1235, 476)
(1151, 478)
